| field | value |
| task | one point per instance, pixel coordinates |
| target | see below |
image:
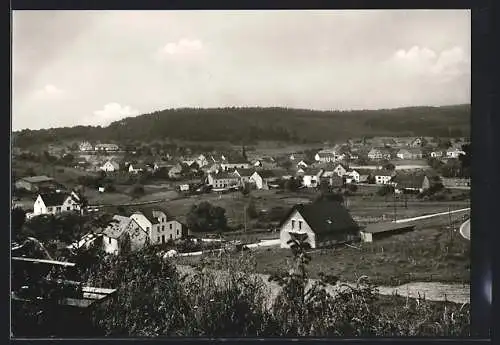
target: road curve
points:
(465, 229)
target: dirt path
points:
(457, 293)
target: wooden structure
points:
(47, 301)
(380, 230)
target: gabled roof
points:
(244, 172)
(363, 171)
(113, 163)
(148, 213)
(224, 175)
(324, 216)
(54, 199)
(409, 180)
(37, 179)
(117, 227)
(268, 173)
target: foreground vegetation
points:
(154, 299)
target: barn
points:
(382, 230)
(320, 224)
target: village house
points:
(223, 179)
(110, 166)
(244, 174)
(304, 164)
(114, 235)
(352, 176)
(106, 147)
(135, 168)
(411, 153)
(378, 154)
(411, 182)
(228, 166)
(157, 224)
(328, 156)
(86, 146)
(417, 142)
(455, 182)
(319, 224)
(310, 177)
(56, 203)
(333, 180)
(383, 176)
(297, 157)
(364, 174)
(265, 179)
(454, 153)
(35, 183)
(200, 160)
(340, 169)
(161, 165)
(436, 154)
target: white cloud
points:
(49, 91)
(423, 61)
(182, 48)
(111, 112)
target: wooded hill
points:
(254, 124)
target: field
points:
(430, 253)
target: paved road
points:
(457, 293)
(465, 229)
(432, 215)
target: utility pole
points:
(245, 216)
(394, 202)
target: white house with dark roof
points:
(56, 203)
(116, 232)
(110, 166)
(264, 179)
(157, 224)
(322, 223)
(223, 179)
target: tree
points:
(18, 218)
(251, 210)
(385, 190)
(245, 189)
(389, 166)
(204, 217)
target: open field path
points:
(456, 293)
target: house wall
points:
(382, 179)
(39, 207)
(366, 236)
(292, 225)
(138, 237)
(110, 245)
(259, 183)
(144, 223)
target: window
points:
(293, 224)
(300, 225)
(170, 226)
(162, 227)
(147, 228)
(177, 232)
(163, 239)
(68, 208)
(158, 239)
(49, 209)
(58, 209)
(170, 236)
(109, 240)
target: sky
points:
(94, 67)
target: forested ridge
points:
(253, 124)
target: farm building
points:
(319, 224)
(118, 230)
(411, 182)
(381, 230)
(35, 183)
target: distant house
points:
(454, 153)
(381, 230)
(35, 183)
(135, 168)
(297, 157)
(340, 170)
(110, 166)
(86, 146)
(241, 164)
(244, 174)
(378, 154)
(200, 160)
(417, 142)
(160, 165)
(436, 154)
(320, 224)
(352, 176)
(311, 177)
(409, 154)
(327, 156)
(364, 174)
(333, 180)
(106, 147)
(223, 179)
(411, 182)
(116, 232)
(304, 164)
(264, 178)
(383, 176)
(455, 182)
(55, 203)
(157, 224)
